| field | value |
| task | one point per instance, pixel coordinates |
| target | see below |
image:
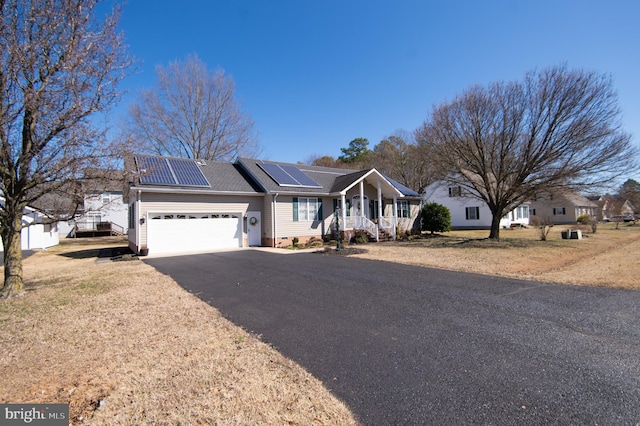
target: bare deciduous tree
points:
(509, 141)
(400, 158)
(58, 66)
(192, 113)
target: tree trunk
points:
(495, 226)
(12, 241)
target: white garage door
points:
(181, 232)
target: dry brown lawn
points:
(125, 345)
(608, 258)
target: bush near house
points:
(435, 218)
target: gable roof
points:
(331, 181)
(222, 177)
(577, 199)
(407, 192)
(252, 176)
(323, 176)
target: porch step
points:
(382, 236)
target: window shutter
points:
(295, 209)
(408, 209)
(320, 209)
(466, 212)
(335, 205)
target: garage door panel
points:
(179, 235)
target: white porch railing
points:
(388, 224)
(361, 222)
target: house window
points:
(106, 198)
(473, 213)
(522, 212)
(132, 216)
(532, 212)
(306, 209)
(403, 209)
(455, 191)
(558, 211)
(337, 204)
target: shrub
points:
(584, 219)
(315, 242)
(361, 237)
(435, 218)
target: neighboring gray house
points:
(562, 208)
(180, 205)
(614, 209)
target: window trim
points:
(298, 217)
(475, 210)
(400, 210)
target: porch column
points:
(379, 200)
(395, 213)
(361, 199)
(343, 204)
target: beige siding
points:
(286, 227)
(267, 218)
(193, 203)
(405, 224)
(545, 211)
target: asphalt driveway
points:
(410, 345)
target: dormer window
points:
(455, 191)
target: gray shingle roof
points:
(324, 176)
(221, 175)
(247, 177)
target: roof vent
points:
(201, 162)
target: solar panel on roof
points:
(187, 172)
(170, 171)
(300, 176)
(281, 177)
(287, 175)
(154, 170)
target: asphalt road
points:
(409, 345)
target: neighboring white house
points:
(102, 205)
(35, 235)
(468, 212)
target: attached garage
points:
(183, 232)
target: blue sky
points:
(314, 75)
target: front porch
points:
(370, 204)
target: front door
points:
(360, 208)
(254, 229)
